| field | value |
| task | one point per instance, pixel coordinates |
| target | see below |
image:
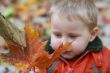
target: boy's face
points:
(64, 30)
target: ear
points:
(94, 33)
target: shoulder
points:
(106, 54)
(106, 58)
(106, 51)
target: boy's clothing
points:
(95, 59)
(90, 62)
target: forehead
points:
(61, 21)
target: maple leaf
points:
(27, 50)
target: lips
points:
(67, 52)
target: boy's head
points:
(83, 10)
(73, 21)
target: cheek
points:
(80, 45)
(54, 42)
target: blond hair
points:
(85, 10)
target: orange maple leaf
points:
(33, 53)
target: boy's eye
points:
(72, 36)
(57, 35)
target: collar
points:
(95, 45)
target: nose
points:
(64, 40)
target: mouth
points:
(67, 52)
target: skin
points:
(75, 31)
(2, 43)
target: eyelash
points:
(70, 36)
(57, 34)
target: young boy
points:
(76, 21)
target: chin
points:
(67, 56)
